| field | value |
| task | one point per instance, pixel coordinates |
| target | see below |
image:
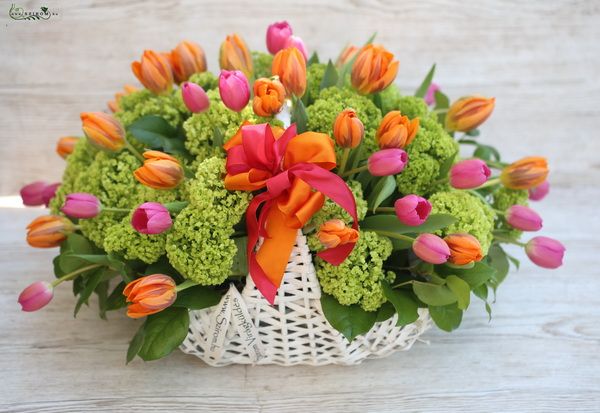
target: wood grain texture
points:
(541, 352)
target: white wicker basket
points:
(293, 331)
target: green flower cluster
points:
(504, 198)
(390, 98)
(331, 210)
(124, 240)
(358, 279)
(314, 76)
(168, 106)
(430, 149)
(207, 80)
(331, 101)
(473, 214)
(200, 244)
(262, 64)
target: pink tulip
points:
(412, 210)
(430, 95)
(49, 192)
(387, 162)
(36, 296)
(277, 35)
(545, 252)
(298, 43)
(81, 205)
(431, 248)
(151, 218)
(539, 192)
(523, 218)
(234, 89)
(469, 174)
(32, 194)
(194, 97)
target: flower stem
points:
(385, 209)
(491, 182)
(344, 161)
(498, 212)
(509, 241)
(402, 284)
(394, 235)
(131, 149)
(497, 165)
(185, 284)
(74, 274)
(354, 171)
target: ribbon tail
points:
(336, 256)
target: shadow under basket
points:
(245, 329)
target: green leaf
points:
(175, 207)
(422, 90)
(447, 317)
(404, 304)
(487, 153)
(378, 101)
(116, 299)
(389, 223)
(217, 139)
(481, 292)
(102, 293)
(136, 343)
(91, 282)
(350, 320)
(157, 133)
(371, 39)
(299, 116)
(240, 260)
(479, 274)
(441, 102)
(385, 187)
(314, 58)
(197, 298)
(400, 244)
(331, 77)
(497, 260)
(472, 132)
(461, 290)
(386, 311)
(164, 332)
(58, 272)
(433, 294)
(446, 166)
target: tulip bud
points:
(160, 171)
(387, 162)
(298, 43)
(49, 192)
(468, 113)
(347, 55)
(412, 210)
(65, 146)
(545, 252)
(396, 130)
(289, 64)
(348, 130)
(431, 248)
(48, 231)
(186, 59)
(234, 55)
(154, 72)
(373, 70)
(269, 96)
(430, 94)
(234, 89)
(464, 249)
(103, 131)
(523, 218)
(81, 205)
(36, 296)
(194, 97)
(277, 35)
(469, 174)
(525, 173)
(113, 105)
(32, 194)
(335, 232)
(149, 295)
(537, 193)
(151, 218)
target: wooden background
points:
(541, 59)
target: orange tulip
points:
(468, 113)
(525, 173)
(269, 95)
(65, 146)
(335, 232)
(103, 130)
(347, 55)
(154, 72)
(160, 171)
(186, 59)
(113, 105)
(348, 130)
(48, 231)
(234, 55)
(290, 66)
(464, 249)
(149, 295)
(373, 70)
(396, 130)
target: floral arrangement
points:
(187, 185)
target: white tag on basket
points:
(232, 309)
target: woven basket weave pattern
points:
(294, 330)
